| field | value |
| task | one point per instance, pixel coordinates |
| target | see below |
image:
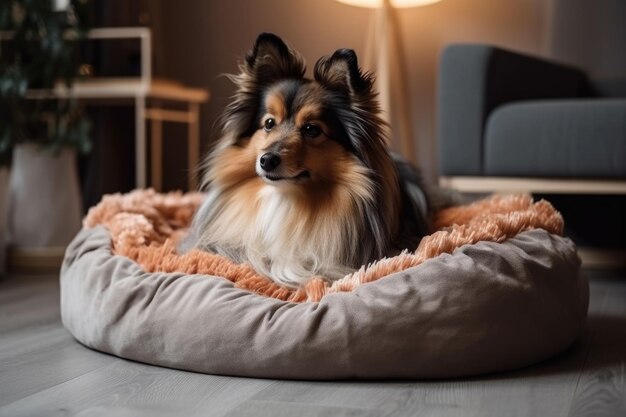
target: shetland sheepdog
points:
(301, 182)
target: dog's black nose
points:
(269, 161)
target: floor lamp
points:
(383, 54)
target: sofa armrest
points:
(474, 80)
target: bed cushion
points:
(484, 307)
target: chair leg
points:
(140, 142)
(194, 144)
(156, 154)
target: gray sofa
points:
(510, 122)
(504, 114)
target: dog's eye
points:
(311, 131)
(269, 124)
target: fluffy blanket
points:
(145, 227)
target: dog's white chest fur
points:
(280, 241)
(291, 246)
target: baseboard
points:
(35, 259)
(596, 258)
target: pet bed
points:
(495, 288)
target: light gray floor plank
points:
(48, 365)
(129, 388)
(43, 371)
(27, 339)
(545, 390)
(601, 389)
(27, 300)
(285, 409)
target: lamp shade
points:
(373, 4)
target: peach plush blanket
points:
(145, 227)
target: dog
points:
(301, 182)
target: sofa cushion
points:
(558, 138)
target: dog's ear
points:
(341, 71)
(271, 59)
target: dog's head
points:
(301, 171)
(289, 130)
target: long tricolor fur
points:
(336, 201)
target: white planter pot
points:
(45, 208)
(4, 186)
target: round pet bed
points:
(496, 288)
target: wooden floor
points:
(44, 372)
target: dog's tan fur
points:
(332, 192)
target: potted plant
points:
(41, 132)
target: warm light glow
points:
(373, 4)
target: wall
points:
(202, 39)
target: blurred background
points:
(199, 40)
(192, 43)
(196, 41)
